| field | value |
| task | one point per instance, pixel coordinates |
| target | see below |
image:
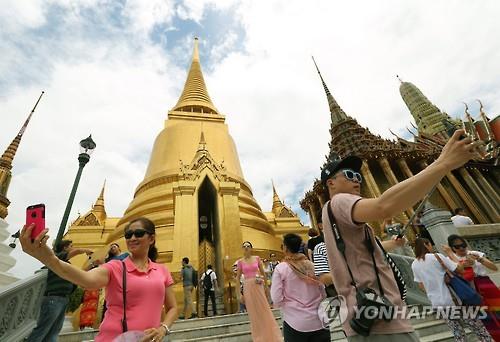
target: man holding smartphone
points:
(56, 297)
(355, 268)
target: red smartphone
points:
(36, 214)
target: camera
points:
(371, 307)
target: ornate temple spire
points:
(428, 117)
(202, 145)
(194, 97)
(6, 163)
(98, 208)
(277, 204)
(336, 112)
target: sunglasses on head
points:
(352, 176)
(462, 245)
(138, 233)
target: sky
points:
(113, 69)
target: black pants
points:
(212, 297)
(292, 335)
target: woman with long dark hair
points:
(148, 284)
(429, 274)
(262, 321)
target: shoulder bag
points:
(459, 287)
(124, 290)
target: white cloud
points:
(119, 86)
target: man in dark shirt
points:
(315, 239)
(55, 298)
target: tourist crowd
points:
(343, 260)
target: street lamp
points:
(87, 146)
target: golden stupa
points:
(195, 192)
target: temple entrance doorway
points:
(209, 233)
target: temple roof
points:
(194, 97)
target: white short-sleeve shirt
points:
(430, 272)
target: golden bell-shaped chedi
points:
(195, 193)
(194, 189)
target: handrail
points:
(20, 305)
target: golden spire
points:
(6, 163)
(98, 207)
(194, 97)
(336, 112)
(202, 144)
(277, 204)
(8, 156)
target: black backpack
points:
(207, 281)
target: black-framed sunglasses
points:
(352, 176)
(138, 233)
(462, 245)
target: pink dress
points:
(145, 298)
(262, 321)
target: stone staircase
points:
(219, 303)
(236, 328)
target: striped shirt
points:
(320, 259)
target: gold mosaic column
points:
(374, 191)
(462, 194)
(490, 209)
(370, 180)
(466, 198)
(312, 215)
(486, 186)
(391, 177)
(442, 191)
(321, 200)
(231, 240)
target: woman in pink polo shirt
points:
(148, 284)
(298, 293)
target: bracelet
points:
(167, 330)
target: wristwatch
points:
(167, 330)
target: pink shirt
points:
(298, 300)
(249, 270)
(145, 298)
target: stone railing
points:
(414, 295)
(19, 307)
(484, 238)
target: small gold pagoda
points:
(195, 192)
(473, 187)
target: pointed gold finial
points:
(98, 208)
(277, 204)
(9, 154)
(196, 53)
(202, 144)
(194, 97)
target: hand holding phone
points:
(35, 214)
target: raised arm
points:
(94, 279)
(408, 192)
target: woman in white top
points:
(429, 274)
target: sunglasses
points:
(246, 246)
(352, 176)
(138, 233)
(463, 245)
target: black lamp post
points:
(87, 146)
